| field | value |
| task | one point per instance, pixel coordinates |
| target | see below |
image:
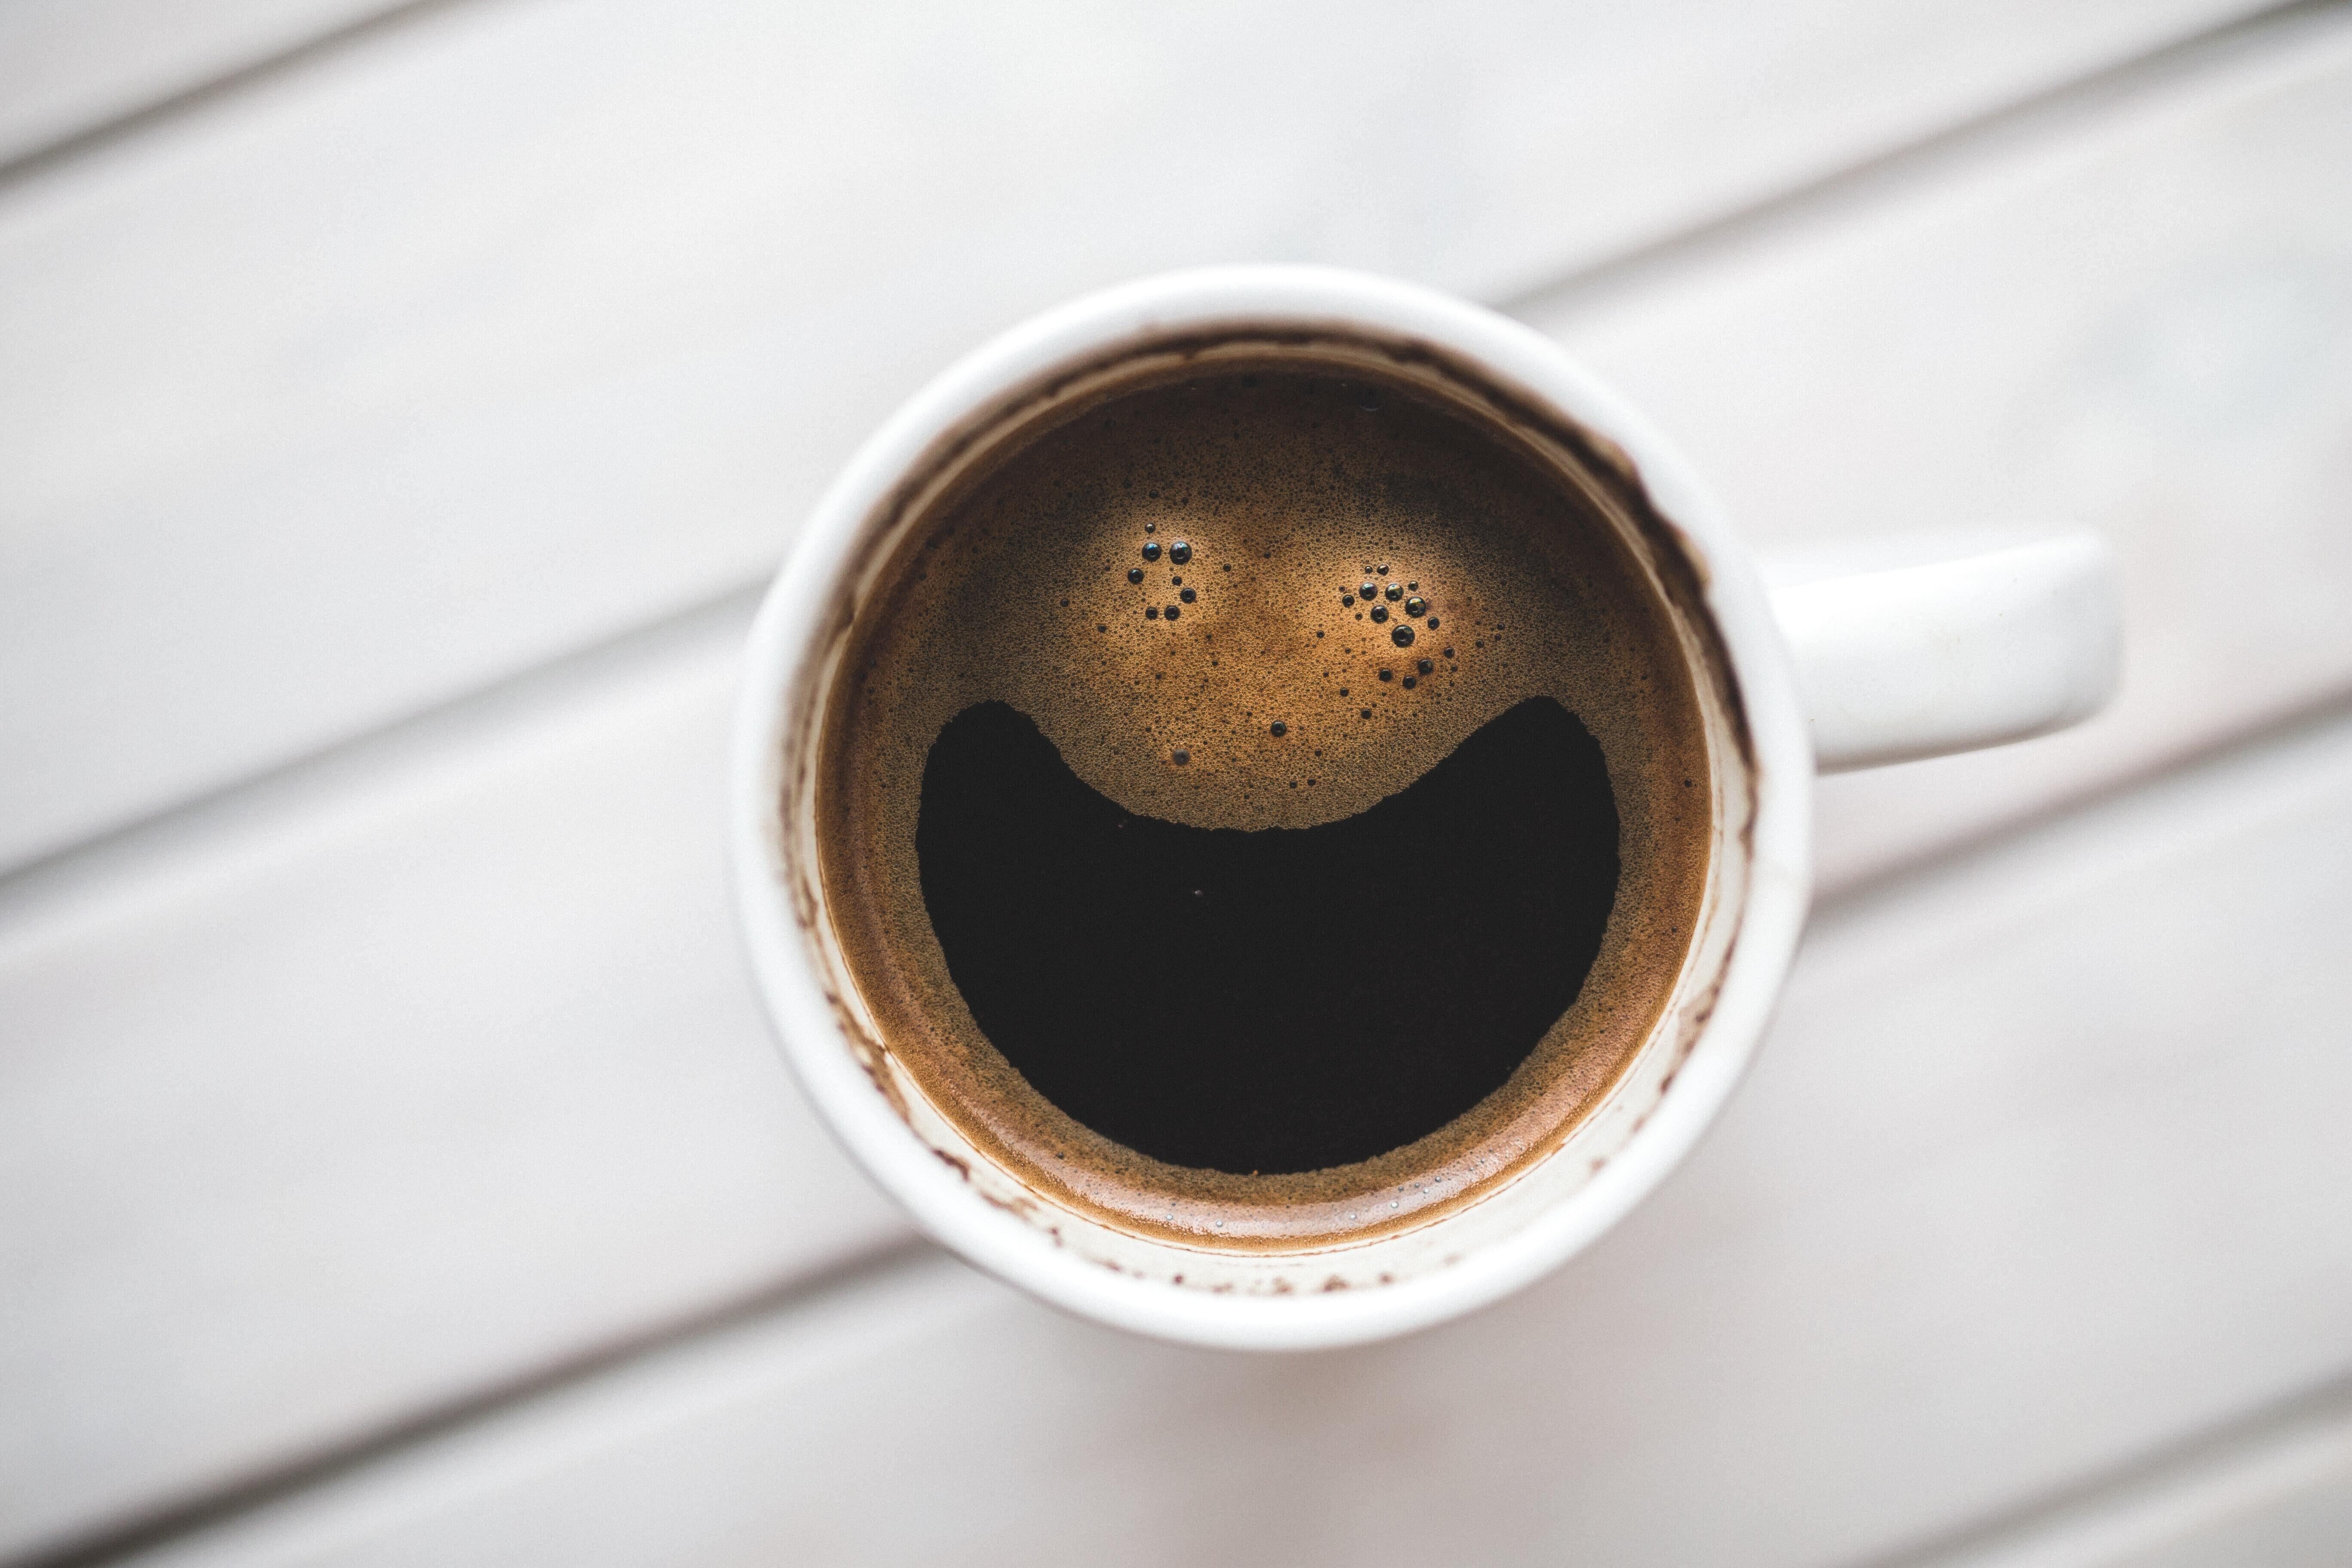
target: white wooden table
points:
(399, 410)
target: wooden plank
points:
(531, 323)
(2144, 324)
(2040, 1169)
(2305, 1529)
(69, 67)
(2274, 1491)
(217, 1175)
(402, 1091)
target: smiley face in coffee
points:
(1261, 802)
(1263, 1025)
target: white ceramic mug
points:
(1822, 672)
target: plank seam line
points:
(178, 1518)
(1572, 290)
(160, 113)
(31, 892)
(2215, 1449)
(2109, 89)
(2282, 728)
(2124, 1503)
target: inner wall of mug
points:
(1174, 1221)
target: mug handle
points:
(1896, 662)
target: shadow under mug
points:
(1850, 662)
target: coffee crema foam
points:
(1293, 474)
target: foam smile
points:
(1275, 1001)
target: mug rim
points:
(784, 654)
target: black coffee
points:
(1262, 780)
(1283, 1000)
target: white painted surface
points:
(2140, 323)
(2308, 1528)
(68, 67)
(2276, 1493)
(355, 1098)
(532, 322)
(408, 1088)
(2042, 1167)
